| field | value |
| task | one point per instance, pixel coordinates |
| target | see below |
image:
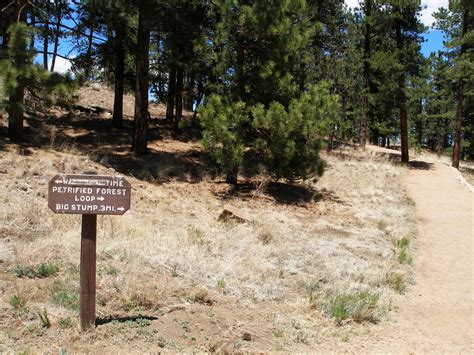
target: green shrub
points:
(44, 318)
(360, 307)
(62, 296)
(109, 270)
(46, 270)
(223, 136)
(403, 256)
(17, 302)
(402, 243)
(289, 139)
(396, 281)
(65, 322)
(41, 271)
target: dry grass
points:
(169, 251)
(171, 276)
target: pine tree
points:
(458, 30)
(367, 49)
(465, 63)
(18, 59)
(268, 106)
(140, 123)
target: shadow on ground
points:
(419, 165)
(284, 193)
(123, 319)
(93, 135)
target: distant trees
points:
(465, 69)
(20, 76)
(249, 66)
(458, 29)
(16, 68)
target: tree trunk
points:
(375, 136)
(402, 100)
(140, 127)
(330, 143)
(365, 95)
(179, 98)
(117, 118)
(33, 25)
(15, 113)
(46, 39)
(16, 99)
(107, 56)
(89, 52)
(190, 92)
(56, 35)
(200, 94)
(232, 174)
(419, 123)
(171, 93)
(439, 144)
(460, 93)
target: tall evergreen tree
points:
(140, 123)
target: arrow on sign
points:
(59, 181)
(101, 198)
(120, 208)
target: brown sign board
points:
(89, 194)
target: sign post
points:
(88, 195)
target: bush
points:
(62, 296)
(288, 139)
(360, 307)
(41, 271)
(396, 281)
(17, 302)
(222, 123)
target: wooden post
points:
(88, 194)
(88, 270)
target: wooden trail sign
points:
(89, 195)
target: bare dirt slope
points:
(438, 314)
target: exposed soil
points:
(437, 315)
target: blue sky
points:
(434, 42)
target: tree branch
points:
(57, 54)
(77, 31)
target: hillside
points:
(318, 264)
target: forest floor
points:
(323, 265)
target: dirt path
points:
(438, 312)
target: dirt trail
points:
(438, 312)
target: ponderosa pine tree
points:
(268, 109)
(459, 34)
(367, 6)
(19, 59)
(140, 122)
(439, 105)
(395, 58)
(464, 64)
